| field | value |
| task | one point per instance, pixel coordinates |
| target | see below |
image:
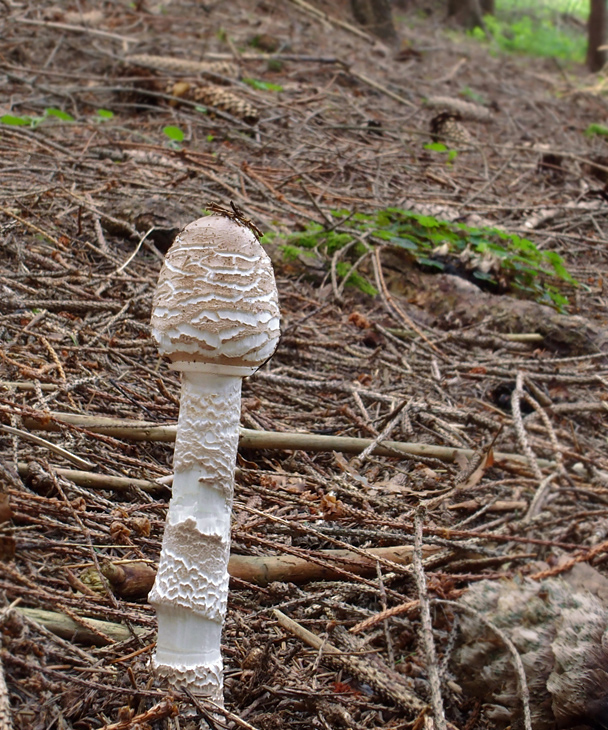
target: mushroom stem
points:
(191, 587)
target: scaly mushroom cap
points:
(216, 304)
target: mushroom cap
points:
(216, 304)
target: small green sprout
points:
(175, 135)
(596, 129)
(262, 85)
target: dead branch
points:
(291, 441)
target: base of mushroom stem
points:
(204, 682)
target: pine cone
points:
(475, 112)
(215, 96)
(184, 66)
(227, 101)
(561, 637)
(447, 127)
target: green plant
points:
(535, 30)
(175, 135)
(440, 147)
(317, 239)
(262, 85)
(579, 8)
(15, 121)
(101, 115)
(596, 129)
(525, 268)
(58, 114)
(33, 122)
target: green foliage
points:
(355, 279)
(528, 270)
(440, 147)
(59, 114)
(14, 121)
(579, 8)
(33, 122)
(262, 85)
(533, 29)
(51, 113)
(174, 133)
(598, 129)
(316, 240)
(291, 253)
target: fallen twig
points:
(67, 628)
(426, 628)
(100, 481)
(293, 441)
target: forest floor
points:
(335, 121)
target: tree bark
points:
(376, 17)
(469, 13)
(596, 34)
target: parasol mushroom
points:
(216, 318)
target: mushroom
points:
(216, 317)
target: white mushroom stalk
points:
(216, 317)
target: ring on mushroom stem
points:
(216, 317)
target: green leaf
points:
(598, 129)
(431, 262)
(355, 279)
(174, 133)
(483, 276)
(293, 252)
(58, 114)
(105, 114)
(16, 121)
(436, 147)
(428, 221)
(406, 243)
(262, 85)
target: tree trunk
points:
(596, 34)
(469, 13)
(376, 17)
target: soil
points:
(344, 127)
